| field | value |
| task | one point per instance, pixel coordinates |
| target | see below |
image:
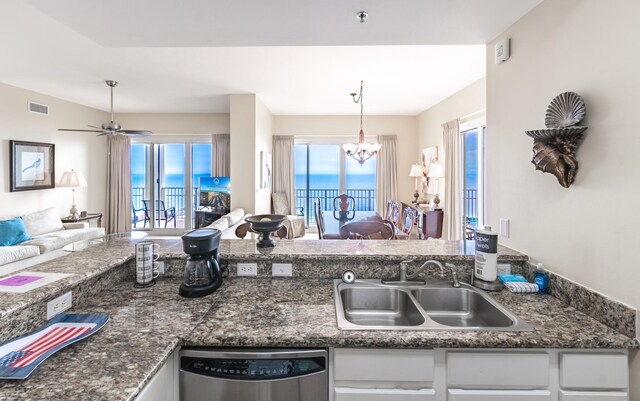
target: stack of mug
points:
(146, 263)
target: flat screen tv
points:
(215, 193)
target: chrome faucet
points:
(410, 278)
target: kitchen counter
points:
(146, 326)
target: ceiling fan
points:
(111, 128)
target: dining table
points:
(334, 219)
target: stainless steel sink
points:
(371, 305)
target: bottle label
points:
(486, 260)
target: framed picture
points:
(266, 168)
(429, 156)
(32, 165)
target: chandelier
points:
(362, 151)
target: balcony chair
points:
(137, 217)
(162, 212)
(295, 224)
(367, 230)
(344, 203)
(405, 226)
(317, 208)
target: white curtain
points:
(386, 172)
(221, 153)
(283, 169)
(118, 212)
(452, 178)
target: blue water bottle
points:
(542, 279)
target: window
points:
(473, 151)
(323, 171)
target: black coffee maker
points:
(202, 273)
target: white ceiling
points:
(298, 56)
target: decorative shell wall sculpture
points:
(554, 148)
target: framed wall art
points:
(266, 168)
(32, 165)
(429, 156)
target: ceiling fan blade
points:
(79, 130)
(103, 134)
(93, 126)
(132, 132)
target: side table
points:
(90, 217)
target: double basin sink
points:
(371, 305)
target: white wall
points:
(176, 123)
(264, 143)
(243, 144)
(405, 127)
(469, 100)
(587, 232)
(84, 152)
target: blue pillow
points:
(13, 232)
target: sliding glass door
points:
(323, 171)
(165, 179)
(473, 151)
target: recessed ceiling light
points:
(362, 15)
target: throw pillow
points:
(42, 222)
(13, 232)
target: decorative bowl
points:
(265, 224)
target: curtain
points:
(283, 169)
(221, 154)
(452, 178)
(386, 172)
(118, 211)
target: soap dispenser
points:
(542, 279)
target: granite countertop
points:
(146, 326)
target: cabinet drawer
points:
(594, 371)
(498, 395)
(358, 394)
(383, 365)
(489, 369)
(593, 396)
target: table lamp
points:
(436, 172)
(73, 179)
(416, 171)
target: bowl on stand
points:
(265, 225)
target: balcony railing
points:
(172, 197)
(365, 199)
(471, 205)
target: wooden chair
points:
(405, 226)
(162, 212)
(366, 230)
(244, 228)
(392, 212)
(344, 203)
(317, 208)
(136, 217)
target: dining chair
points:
(344, 203)
(317, 208)
(405, 226)
(366, 230)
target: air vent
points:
(39, 108)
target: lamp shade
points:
(416, 171)
(436, 170)
(72, 179)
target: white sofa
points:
(229, 222)
(49, 235)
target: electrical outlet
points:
(160, 267)
(282, 269)
(247, 269)
(504, 228)
(59, 305)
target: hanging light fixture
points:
(362, 151)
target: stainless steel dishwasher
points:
(208, 374)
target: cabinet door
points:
(359, 394)
(594, 371)
(593, 396)
(474, 370)
(498, 395)
(159, 387)
(383, 365)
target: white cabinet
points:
(498, 395)
(479, 370)
(383, 365)
(358, 394)
(593, 396)
(163, 386)
(587, 371)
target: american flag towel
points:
(21, 356)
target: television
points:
(215, 193)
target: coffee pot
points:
(202, 272)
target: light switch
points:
(504, 228)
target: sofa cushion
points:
(235, 216)
(10, 254)
(220, 224)
(58, 239)
(42, 222)
(13, 232)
